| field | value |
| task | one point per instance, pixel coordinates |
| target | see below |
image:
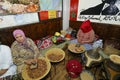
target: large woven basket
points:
(25, 70)
(72, 47)
(55, 55)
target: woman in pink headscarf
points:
(86, 34)
(24, 51)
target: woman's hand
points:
(30, 61)
(82, 42)
(35, 60)
(3, 71)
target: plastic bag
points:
(98, 43)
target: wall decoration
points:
(19, 19)
(43, 15)
(50, 9)
(73, 9)
(51, 4)
(52, 14)
(49, 14)
(26, 18)
(18, 6)
(101, 11)
(20, 12)
(6, 21)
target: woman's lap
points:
(87, 46)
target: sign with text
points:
(101, 11)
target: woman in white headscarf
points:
(7, 68)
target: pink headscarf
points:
(18, 31)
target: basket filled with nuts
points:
(37, 72)
(55, 55)
(75, 48)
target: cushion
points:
(44, 42)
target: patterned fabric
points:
(44, 43)
(21, 52)
(85, 33)
(85, 37)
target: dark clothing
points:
(93, 10)
(110, 10)
(97, 10)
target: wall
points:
(34, 31)
(66, 13)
